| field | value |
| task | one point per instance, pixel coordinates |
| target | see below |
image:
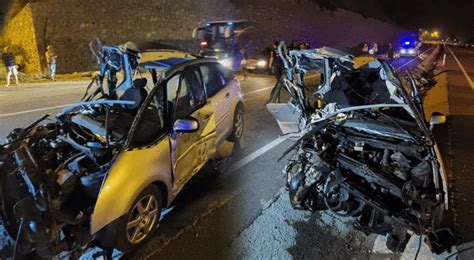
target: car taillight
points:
(203, 44)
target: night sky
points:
(451, 17)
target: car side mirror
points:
(437, 119)
(186, 125)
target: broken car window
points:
(190, 95)
(213, 82)
(151, 125)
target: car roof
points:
(173, 64)
(338, 51)
(163, 64)
(163, 59)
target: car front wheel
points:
(238, 124)
(139, 224)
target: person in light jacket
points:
(51, 60)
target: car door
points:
(219, 94)
(189, 151)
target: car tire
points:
(137, 226)
(238, 124)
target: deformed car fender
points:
(129, 175)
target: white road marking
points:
(471, 84)
(32, 110)
(256, 91)
(249, 158)
(414, 59)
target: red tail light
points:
(203, 44)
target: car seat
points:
(136, 93)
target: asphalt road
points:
(459, 145)
(245, 213)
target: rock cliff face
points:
(20, 33)
(69, 25)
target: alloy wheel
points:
(142, 219)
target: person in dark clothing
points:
(302, 46)
(9, 61)
(390, 51)
(365, 47)
(276, 65)
(243, 64)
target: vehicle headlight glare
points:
(411, 51)
(261, 63)
(226, 62)
(403, 51)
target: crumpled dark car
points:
(364, 149)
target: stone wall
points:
(69, 25)
(20, 34)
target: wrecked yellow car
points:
(103, 171)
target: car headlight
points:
(226, 62)
(261, 63)
(403, 51)
(411, 51)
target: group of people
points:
(372, 48)
(12, 68)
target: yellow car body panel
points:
(129, 175)
(163, 54)
(173, 160)
(360, 61)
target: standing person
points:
(302, 46)
(308, 46)
(244, 59)
(365, 47)
(390, 51)
(373, 48)
(51, 60)
(9, 61)
(276, 65)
